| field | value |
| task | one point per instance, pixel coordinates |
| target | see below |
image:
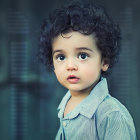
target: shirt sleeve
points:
(116, 127)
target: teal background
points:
(29, 95)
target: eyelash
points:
(59, 55)
(87, 55)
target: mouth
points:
(73, 79)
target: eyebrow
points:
(56, 51)
(81, 48)
(84, 48)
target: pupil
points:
(83, 56)
(61, 57)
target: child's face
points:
(77, 61)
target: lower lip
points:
(73, 81)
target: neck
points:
(83, 93)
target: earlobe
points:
(105, 67)
(105, 64)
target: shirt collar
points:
(62, 104)
(90, 104)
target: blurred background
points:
(29, 95)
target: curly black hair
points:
(86, 18)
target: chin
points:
(77, 89)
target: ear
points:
(105, 64)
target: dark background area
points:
(29, 95)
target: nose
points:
(72, 65)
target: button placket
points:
(64, 123)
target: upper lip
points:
(72, 76)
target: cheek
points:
(91, 73)
(59, 78)
(59, 72)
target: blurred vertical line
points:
(123, 73)
(17, 30)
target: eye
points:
(60, 57)
(83, 56)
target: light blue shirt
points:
(98, 117)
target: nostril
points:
(72, 67)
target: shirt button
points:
(64, 124)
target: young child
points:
(80, 42)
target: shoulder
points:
(114, 121)
(110, 108)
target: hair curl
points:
(86, 18)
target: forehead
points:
(75, 39)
